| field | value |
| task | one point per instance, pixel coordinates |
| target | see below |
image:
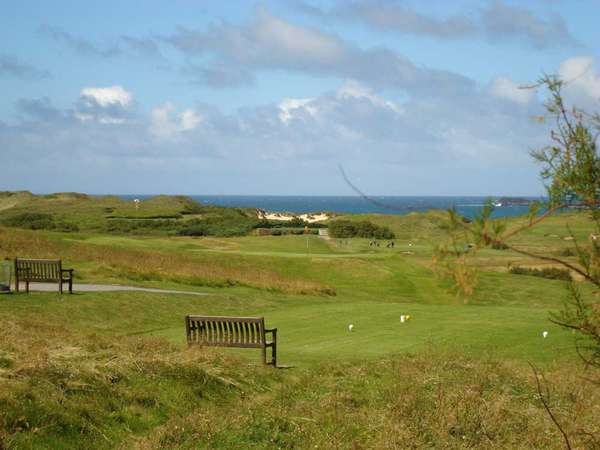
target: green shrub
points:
(140, 225)
(31, 221)
(568, 252)
(364, 229)
(552, 273)
(66, 227)
(219, 226)
(296, 222)
(39, 221)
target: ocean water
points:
(467, 206)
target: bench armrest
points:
(273, 332)
(67, 271)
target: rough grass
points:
(61, 389)
(148, 265)
(424, 401)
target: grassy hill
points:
(157, 215)
(414, 226)
(111, 370)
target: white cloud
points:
(294, 108)
(353, 89)
(582, 80)
(504, 87)
(189, 120)
(106, 120)
(351, 125)
(167, 124)
(108, 96)
(290, 105)
(105, 105)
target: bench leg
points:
(274, 355)
(27, 286)
(70, 285)
(264, 355)
(60, 287)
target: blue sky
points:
(239, 97)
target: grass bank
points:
(61, 388)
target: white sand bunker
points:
(286, 217)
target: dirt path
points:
(53, 287)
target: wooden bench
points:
(244, 332)
(42, 271)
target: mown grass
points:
(315, 328)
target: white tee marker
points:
(350, 327)
(544, 334)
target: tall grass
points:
(59, 389)
(426, 401)
(146, 265)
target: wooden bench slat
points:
(220, 332)
(227, 318)
(224, 331)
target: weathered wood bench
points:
(42, 271)
(244, 332)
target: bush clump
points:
(551, 273)
(140, 226)
(219, 226)
(499, 246)
(567, 252)
(364, 229)
(39, 221)
(296, 222)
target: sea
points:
(466, 206)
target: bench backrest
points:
(246, 332)
(38, 269)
